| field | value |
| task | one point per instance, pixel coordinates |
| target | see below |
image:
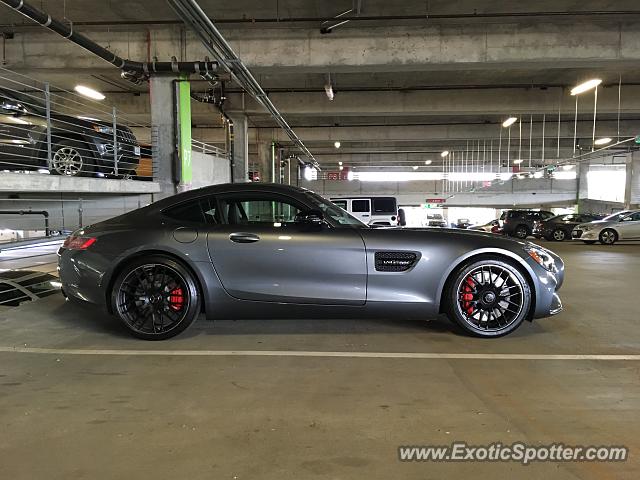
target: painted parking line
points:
(298, 353)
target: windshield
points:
(615, 216)
(336, 213)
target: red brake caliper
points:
(467, 295)
(176, 299)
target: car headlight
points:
(103, 129)
(541, 257)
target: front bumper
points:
(579, 234)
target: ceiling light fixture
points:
(509, 121)
(336, 144)
(415, 167)
(428, 162)
(602, 141)
(518, 161)
(339, 163)
(445, 153)
(586, 86)
(89, 92)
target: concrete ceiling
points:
(293, 61)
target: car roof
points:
(229, 188)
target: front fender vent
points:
(395, 261)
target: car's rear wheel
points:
(559, 235)
(155, 297)
(488, 298)
(521, 232)
(608, 237)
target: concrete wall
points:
(209, 169)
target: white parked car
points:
(623, 225)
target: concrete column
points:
(240, 142)
(632, 185)
(264, 160)
(582, 191)
(163, 134)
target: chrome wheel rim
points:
(67, 161)
(521, 233)
(558, 235)
(608, 237)
(153, 299)
(490, 298)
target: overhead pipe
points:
(131, 70)
(366, 18)
(193, 16)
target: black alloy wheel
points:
(156, 298)
(489, 298)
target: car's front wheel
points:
(488, 298)
(70, 158)
(155, 297)
(608, 237)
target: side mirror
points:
(310, 217)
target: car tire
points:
(521, 232)
(473, 297)
(589, 242)
(608, 236)
(156, 297)
(559, 235)
(70, 158)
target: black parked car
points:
(79, 145)
(559, 228)
(519, 223)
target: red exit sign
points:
(435, 200)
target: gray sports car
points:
(264, 250)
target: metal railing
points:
(55, 131)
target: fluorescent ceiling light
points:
(339, 163)
(509, 121)
(588, 85)
(340, 167)
(428, 162)
(385, 176)
(415, 167)
(518, 162)
(602, 141)
(471, 176)
(445, 153)
(328, 89)
(89, 92)
(310, 173)
(336, 144)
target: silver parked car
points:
(273, 251)
(623, 225)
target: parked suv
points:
(519, 223)
(79, 146)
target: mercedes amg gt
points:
(248, 250)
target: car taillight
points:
(78, 243)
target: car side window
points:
(632, 218)
(341, 203)
(360, 206)
(200, 210)
(257, 209)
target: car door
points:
(261, 253)
(361, 209)
(629, 226)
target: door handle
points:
(243, 237)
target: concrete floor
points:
(188, 413)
